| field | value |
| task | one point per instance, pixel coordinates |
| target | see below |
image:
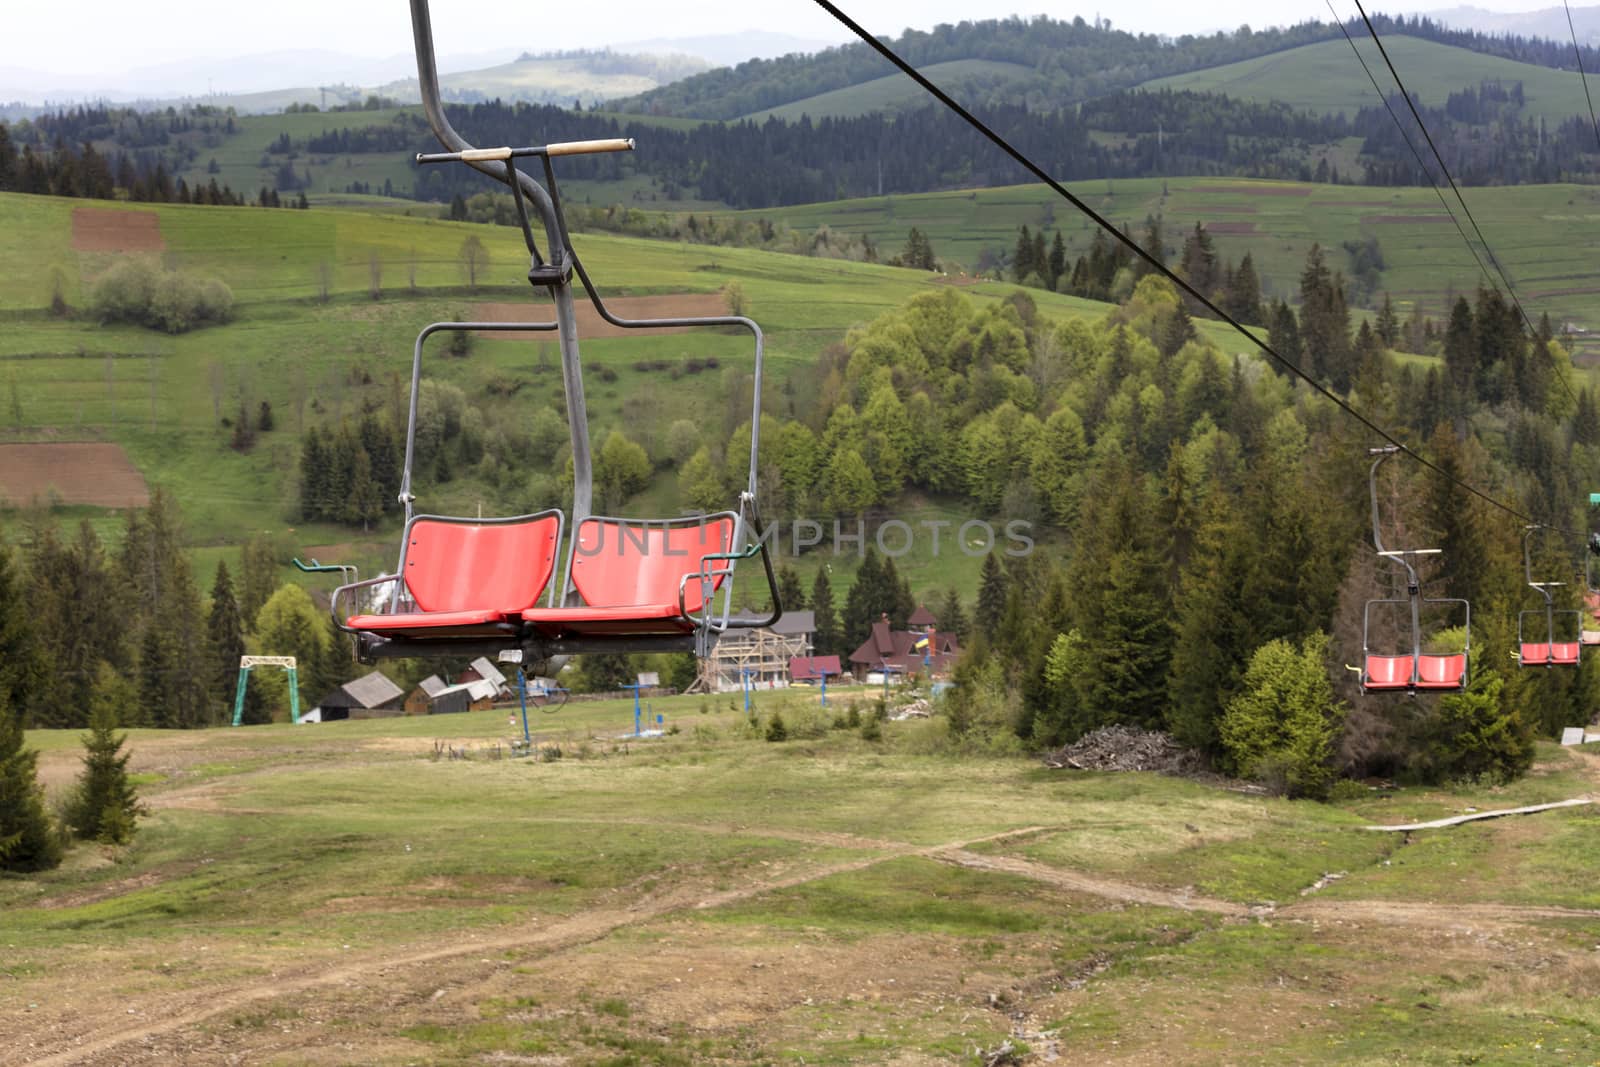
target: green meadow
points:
(1533, 229)
(1326, 77)
(164, 397)
(706, 896)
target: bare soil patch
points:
(98, 229)
(590, 324)
(1393, 220)
(99, 475)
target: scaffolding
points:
(764, 653)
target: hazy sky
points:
(104, 37)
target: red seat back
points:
(1441, 671)
(1533, 655)
(1564, 652)
(1388, 672)
(616, 563)
(460, 565)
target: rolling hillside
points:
(1326, 77)
(963, 77)
(163, 398)
(1531, 229)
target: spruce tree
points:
(28, 841)
(226, 631)
(1022, 261)
(952, 619)
(827, 640)
(1058, 260)
(1153, 244)
(1388, 323)
(866, 600)
(991, 597)
(1460, 358)
(19, 658)
(105, 806)
(790, 592)
(1214, 633)
(1244, 293)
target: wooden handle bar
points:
(583, 148)
(565, 148)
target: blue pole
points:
(522, 691)
(637, 729)
(824, 687)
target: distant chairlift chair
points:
(1409, 670)
(1549, 652)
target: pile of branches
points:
(1125, 748)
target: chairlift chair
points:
(1409, 670)
(1549, 652)
(473, 586)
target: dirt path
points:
(174, 1013)
(1110, 889)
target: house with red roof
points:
(922, 649)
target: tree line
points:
(83, 623)
(1070, 61)
(1205, 508)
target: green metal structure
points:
(249, 663)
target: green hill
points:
(164, 398)
(1326, 77)
(1529, 227)
(963, 77)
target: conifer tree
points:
(1244, 293)
(1058, 260)
(1152, 243)
(827, 641)
(1460, 358)
(1284, 329)
(19, 654)
(991, 597)
(28, 840)
(790, 592)
(226, 630)
(952, 618)
(1022, 262)
(1451, 514)
(1214, 633)
(1388, 323)
(105, 806)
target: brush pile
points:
(1124, 748)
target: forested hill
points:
(1062, 62)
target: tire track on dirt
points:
(557, 937)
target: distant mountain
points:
(273, 81)
(262, 72)
(731, 49)
(1549, 23)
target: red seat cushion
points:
(628, 574)
(1564, 653)
(1388, 672)
(1533, 655)
(456, 565)
(617, 619)
(484, 622)
(1441, 672)
(616, 562)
